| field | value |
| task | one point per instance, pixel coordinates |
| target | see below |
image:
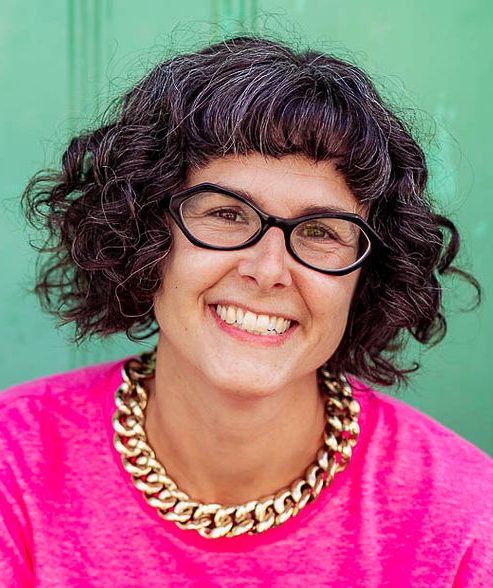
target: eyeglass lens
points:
(221, 220)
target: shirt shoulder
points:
(51, 428)
(42, 418)
(424, 463)
(65, 385)
(399, 421)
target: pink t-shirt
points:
(413, 508)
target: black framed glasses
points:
(213, 217)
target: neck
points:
(223, 448)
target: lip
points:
(245, 336)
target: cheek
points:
(330, 300)
(189, 270)
(337, 291)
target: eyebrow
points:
(305, 210)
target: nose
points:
(267, 262)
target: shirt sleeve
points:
(16, 564)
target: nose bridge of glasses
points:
(271, 222)
(275, 222)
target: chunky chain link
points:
(216, 520)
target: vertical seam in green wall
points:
(242, 13)
(231, 17)
(97, 56)
(86, 56)
(71, 61)
(253, 14)
(87, 23)
(83, 62)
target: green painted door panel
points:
(61, 62)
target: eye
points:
(317, 232)
(227, 214)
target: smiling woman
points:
(266, 214)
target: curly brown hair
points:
(107, 239)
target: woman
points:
(265, 214)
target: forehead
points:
(288, 186)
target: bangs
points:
(286, 108)
(273, 118)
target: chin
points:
(248, 381)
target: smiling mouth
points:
(257, 324)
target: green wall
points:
(60, 61)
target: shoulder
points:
(397, 420)
(393, 419)
(62, 404)
(416, 438)
(423, 461)
(51, 426)
(73, 388)
(62, 384)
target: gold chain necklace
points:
(216, 520)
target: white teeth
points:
(262, 323)
(231, 315)
(249, 321)
(280, 325)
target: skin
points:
(233, 420)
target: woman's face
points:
(263, 280)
